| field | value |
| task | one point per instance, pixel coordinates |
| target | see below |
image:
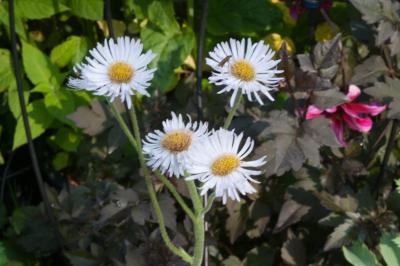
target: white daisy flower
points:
(115, 70)
(168, 150)
(219, 163)
(247, 67)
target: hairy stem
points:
(198, 224)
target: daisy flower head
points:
(168, 150)
(241, 65)
(219, 162)
(115, 70)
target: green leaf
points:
(241, 16)
(39, 120)
(71, 51)
(61, 160)
(67, 139)
(163, 35)
(172, 48)
(7, 78)
(38, 9)
(160, 13)
(59, 104)
(390, 249)
(358, 254)
(37, 66)
(89, 9)
(4, 18)
(3, 255)
(13, 99)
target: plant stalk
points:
(27, 127)
(202, 17)
(136, 143)
(177, 250)
(176, 195)
(198, 224)
(392, 138)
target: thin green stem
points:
(124, 126)
(177, 196)
(136, 143)
(198, 224)
(232, 112)
(164, 234)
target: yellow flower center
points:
(177, 141)
(120, 72)
(225, 164)
(243, 70)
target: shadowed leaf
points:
(339, 236)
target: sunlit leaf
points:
(358, 254)
(39, 120)
(38, 9)
(89, 9)
(70, 51)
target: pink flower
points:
(354, 115)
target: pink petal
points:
(348, 110)
(337, 126)
(360, 124)
(353, 93)
(313, 111)
(366, 108)
(331, 109)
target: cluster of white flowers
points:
(216, 158)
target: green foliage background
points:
(317, 204)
